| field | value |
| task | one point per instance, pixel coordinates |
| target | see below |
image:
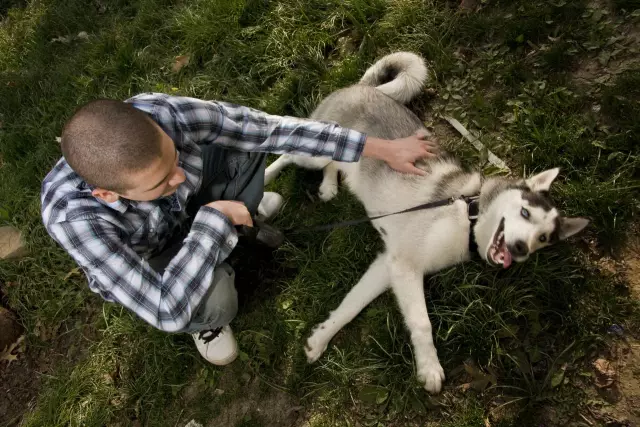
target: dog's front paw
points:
(432, 376)
(327, 192)
(315, 346)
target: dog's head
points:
(517, 218)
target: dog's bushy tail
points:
(400, 75)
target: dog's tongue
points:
(507, 258)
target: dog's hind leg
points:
(276, 167)
(407, 285)
(374, 282)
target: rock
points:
(12, 245)
(10, 329)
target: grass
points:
(509, 71)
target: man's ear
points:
(106, 195)
(571, 226)
(543, 180)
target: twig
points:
(493, 159)
(586, 419)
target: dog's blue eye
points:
(542, 238)
(525, 213)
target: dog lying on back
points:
(515, 218)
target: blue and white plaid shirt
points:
(111, 242)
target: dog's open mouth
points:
(498, 252)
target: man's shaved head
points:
(106, 140)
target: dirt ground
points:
(617, 372)
(22, 378)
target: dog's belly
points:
(429, 240)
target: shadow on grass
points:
(284, 57)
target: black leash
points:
(276, 237)
(470, 201)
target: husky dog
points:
(514, 219)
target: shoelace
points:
(209, 335)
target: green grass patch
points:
(506, 71)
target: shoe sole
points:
(226, 361)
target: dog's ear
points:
(571, 226)
(543, 180)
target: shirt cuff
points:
(349, 145)
(213, 224)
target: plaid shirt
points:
(112, 241)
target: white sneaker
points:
(218, 346)
(270, 205)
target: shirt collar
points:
(120, 205)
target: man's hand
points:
(401, 154)
(237, 212)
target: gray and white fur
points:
(515, 218)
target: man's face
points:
(161, 178)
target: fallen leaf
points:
(45, 332)
(180, 62)
(102, 8)
(58, 139)
(373, 394)
(557, 378)
(74, 272)
(605, 373)
(481, 384)
(480, 381)
(82, 35)
(4, 214)
(62, 39)
(597, 15)
(7, 356)
(468, 5)
(10, 353)
(604, 57)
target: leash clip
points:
(473, 209)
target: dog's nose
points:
(519, 248)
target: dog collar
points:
(473, 210)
